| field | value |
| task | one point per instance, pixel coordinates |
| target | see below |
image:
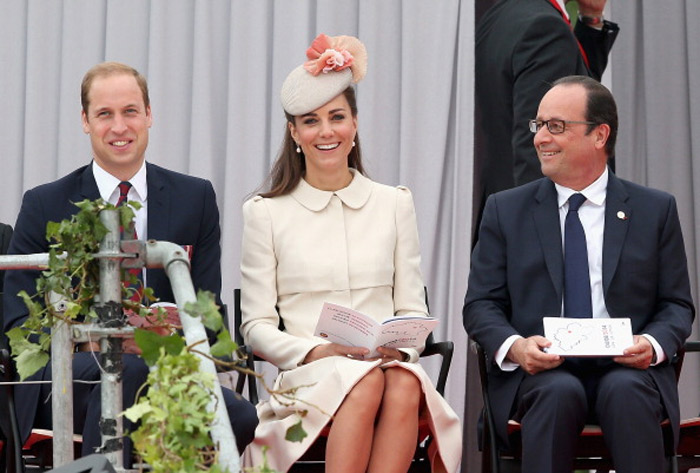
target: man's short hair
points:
(106, 69)
(600, 106)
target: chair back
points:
(11, 450)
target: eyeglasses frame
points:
(532, 124)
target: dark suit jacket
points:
(522, 46)
(181, 209)
(5, 235)
(517, 276)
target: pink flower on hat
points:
(328, 54)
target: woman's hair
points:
(290, 166)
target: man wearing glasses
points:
(580, 242)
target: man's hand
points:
(527, 352)
(591, 7)
(334, 349)
(638, 355)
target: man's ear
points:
(84, 119)
(602, 133)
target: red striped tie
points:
(130, 234)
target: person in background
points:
(324, 232)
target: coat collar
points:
(355, 195)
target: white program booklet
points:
(349, 327)
(588, 336)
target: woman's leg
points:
(396, 433)
(350, 438)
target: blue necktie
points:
(577, 285)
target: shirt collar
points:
(355, 195)
(595, 192)
(562, 4)
(108, 185)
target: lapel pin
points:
(621, 215)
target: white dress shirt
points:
(108, 186)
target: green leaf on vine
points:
(150, 344)
(295, 433)
(31, 357)
(224, 346)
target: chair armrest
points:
(489, 440)
(246, 358)
(446, 350)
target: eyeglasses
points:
(554, 125)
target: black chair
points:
(591, 452)
(314, 458)
(11, 449)
(688, 450)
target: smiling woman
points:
(324, 232)
(326, 137)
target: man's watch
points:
(594, 21)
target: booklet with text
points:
(345, 326)
(588, 336)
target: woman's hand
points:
(335, 349)
(388, 354)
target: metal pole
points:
(176, 264)
(61, 388)
(109, 309)
(33, 261)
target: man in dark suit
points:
(116, 114)
(636, 268)
(522, 46)
(5, 236)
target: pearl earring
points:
(298, 150)
(353, 143)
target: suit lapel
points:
(158, 204)
(617, 215)
(546, 215)
(87, 185)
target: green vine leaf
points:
(224, 346)
(295, 433)
(151, 343)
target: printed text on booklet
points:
(345, 326)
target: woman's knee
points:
(368, 391)
(402, 388)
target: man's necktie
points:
(577, 285)
(124, 187)
(130, 234)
